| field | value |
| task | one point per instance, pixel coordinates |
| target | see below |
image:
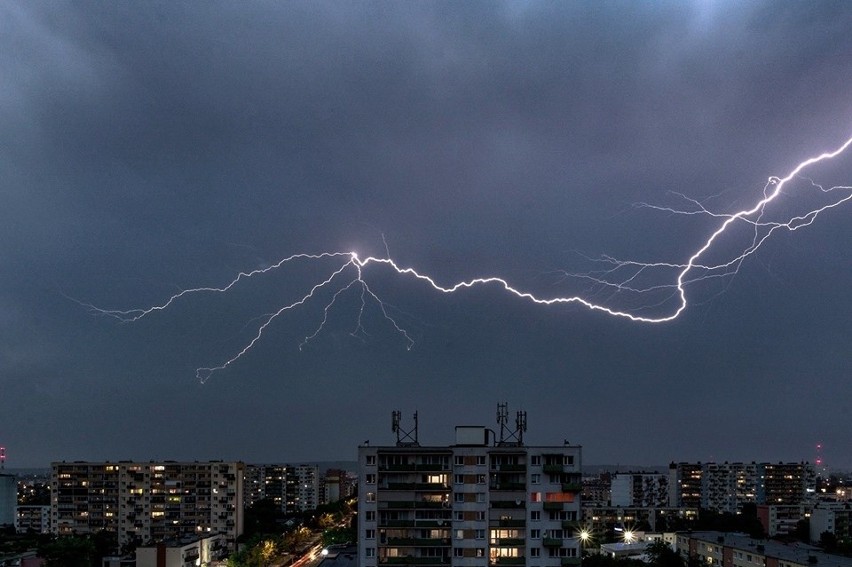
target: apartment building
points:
(780, 519)
(481, 501)
(685, 485)
(198, 551)
(719, 549)
(726, 487)
(293, 488)
(609, 519)
(640, 490)
(33, 519)
(306, 478)
(145, 503)
(832, 517)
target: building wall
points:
(469, 505)
(832, 517)
(148, 502)
(640, 490)
(736, 550)
(726, 487)
(34, 519)
(199, 552)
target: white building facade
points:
(470, 504)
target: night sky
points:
(146, 148)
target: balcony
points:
(509, 486)
(431, 486)
(519, 523)
(570, 561)
(510, 561)
(399, 486)
(417, 542)
(554, 506)
(509, 468)
(551, 542)
(553, 469)
(572, 487)
(511, 542)
(508, 504)
(411, 504)
(415, 561)
(397, 523)
(404, 467)
(432, 467)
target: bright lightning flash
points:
(622, 276)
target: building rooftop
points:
(797, 553)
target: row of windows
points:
(496, 552)
(459, 460)
(535, 478)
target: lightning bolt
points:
(619, 276)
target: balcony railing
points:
(508, 468)
(415, 561)
(411, 504)
(396, 523)
(417, 542)
(508, 504)
(509, 561)
(568, 561)
(508, 486)
(398, 467)
(553, 469)
(553, 506)
(551, 542)
(511, 542)
(572, 487)
(512, 523)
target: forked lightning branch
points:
(349, 272)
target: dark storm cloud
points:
(149, 148)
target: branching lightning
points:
(618, 276)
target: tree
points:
(69, 552)
(661, 554)
(828, 541)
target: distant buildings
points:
(148, 502)
(293, 488)
(640, 490)
(337, 484)
(33, 519)
(832, 517)
(482, 501)
(726, 487)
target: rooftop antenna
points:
(404, 438)
(511, 437)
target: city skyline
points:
(152, 149)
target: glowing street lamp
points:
(629, 536)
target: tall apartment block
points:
(725, 487)
(307, 487)
(293, 488)
(641, 490)
(144, 503)
(480, 502)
